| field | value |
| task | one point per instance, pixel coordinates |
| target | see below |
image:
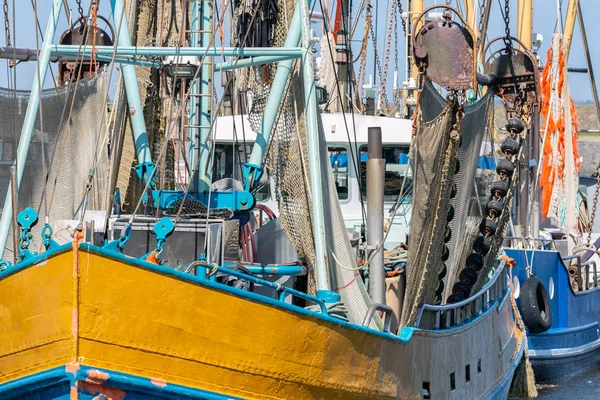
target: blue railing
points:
(450, 315)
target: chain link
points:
(593, 215)
(7, 24)
(80, 8)
(481, 18)
(400, 12)
(507, 39)
(376, 53)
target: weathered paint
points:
(149, 322)
(95, 376)
(96, 389)
(158, 382)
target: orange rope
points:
(553, 166)
(94, 64)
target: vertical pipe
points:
(136, 113)
(204, 87)
(416, 8)
(30, 117)
(570, 25)
(15, 210)
(524, 22)
(375, 186)
(284, 69)
(535, 191)
(312, 133)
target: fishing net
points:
(70, 146)
(434, 151)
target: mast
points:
(415, 9)
(570, 25)
(526, 184)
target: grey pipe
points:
(375, 186)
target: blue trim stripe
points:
(34, 386)
(404, 336)
(36, 260)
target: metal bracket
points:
(252, 174)
(146, 169)
(26, 219)
(119, 244)
(49, 243)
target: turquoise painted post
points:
(202, 149)
(136, 113)
(193, 133)
(253, 171)
(312, 134)
(30, 117)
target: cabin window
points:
(468, 372)
(229, 162)
(452, 382)
(338, 157)
(396, 164)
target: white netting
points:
(69, 148)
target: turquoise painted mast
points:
(29, 123)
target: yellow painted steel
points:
(570, 25)
(146, 323)
(416, 8)
(525, 22)
(35, 318)
(158, 326)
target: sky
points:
(545, 21)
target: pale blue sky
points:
(544, 22)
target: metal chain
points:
(507, 39)
(386, 59)
(593, 215)
(481, 18)
(7, 24)
(80, 8)
(376, 56)
(400, 12)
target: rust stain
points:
(95, 376)
(158, 382)
(72, 367)
(73, 395)
(95, 389)
(132, 112)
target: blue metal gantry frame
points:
(129, 55)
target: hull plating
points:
(84, 322)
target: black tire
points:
(494, 208)
(475, 261)
(462, 289)
(453, 190)
(505, 168)
(499, 189)
(455, 298)
(509, 147)
(482, 245)
(450, 216)
(488, 227)
(534, 305)
(443, 271)
(515, 124)
(445, 254)
(468, 276)
(448, 234)
(440, 288)
(456, 166)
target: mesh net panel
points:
(434, 154)
(69, 147)
(467, 214)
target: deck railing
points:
(451, 315)
(575, 269)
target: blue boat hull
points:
(572, 344)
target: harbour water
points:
(586, 386)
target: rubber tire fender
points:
(534, 306)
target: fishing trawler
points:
(162, 301)
(556, 277)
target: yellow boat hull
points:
(91, 311)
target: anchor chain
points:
(80, 9)
(7, 24)
(593, 215)
(400, 12)
(382, 93)
(507, 39)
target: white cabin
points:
(396, 136)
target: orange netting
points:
(553, 162)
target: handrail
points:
(524, 240)
(586, 265)
(387, 310)
(283, 291)
(449, 315)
